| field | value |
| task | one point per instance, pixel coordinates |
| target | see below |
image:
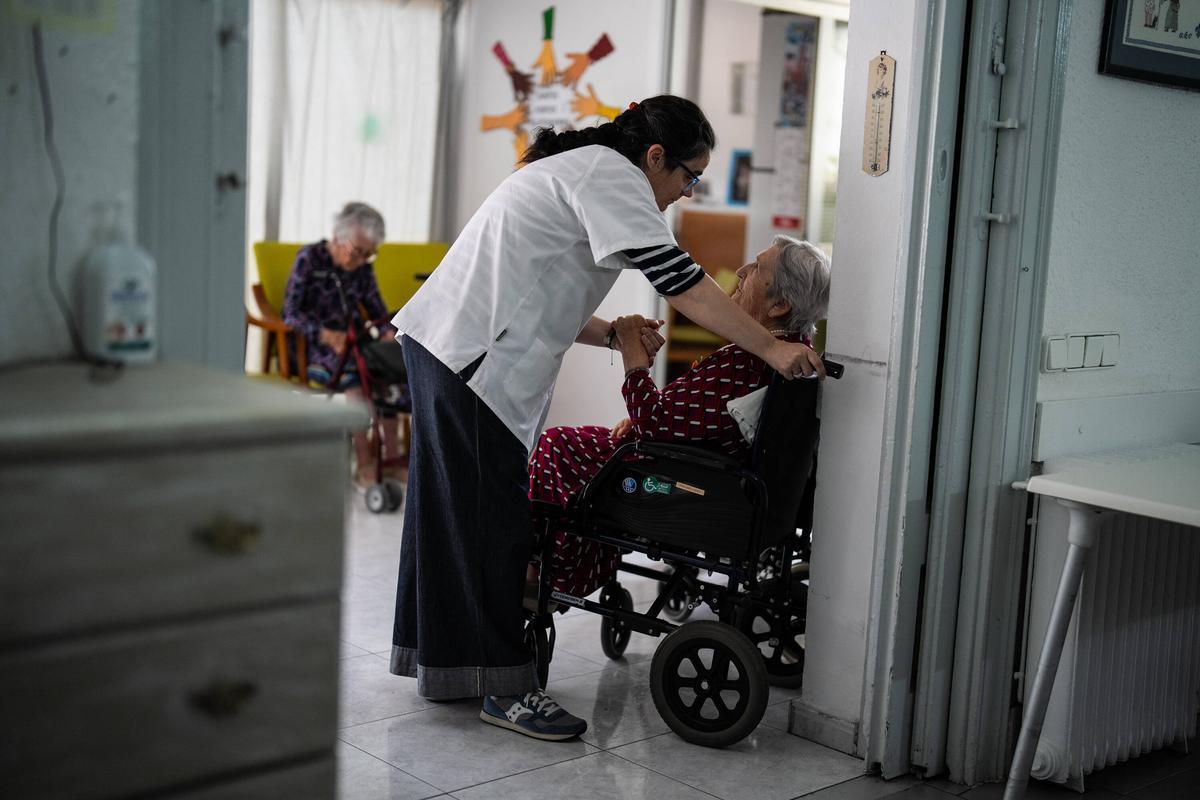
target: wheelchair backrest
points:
(782, 455)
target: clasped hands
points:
(638, 339)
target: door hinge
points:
(998, 67)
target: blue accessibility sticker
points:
(629, 485)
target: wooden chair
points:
(274, 261)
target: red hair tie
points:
(632, 106)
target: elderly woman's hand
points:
(335, 339)
(634, 329)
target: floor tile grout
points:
(662, 774)
(393, 766)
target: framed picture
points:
(1152, 40)
(739, 178)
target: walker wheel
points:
(376, 498)
(395, 494)
(615, 634)
(779, 634)
(709, 683)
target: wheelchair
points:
(701, 514)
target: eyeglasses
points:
(694, 178)
(366, 256)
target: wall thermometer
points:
(877, 127)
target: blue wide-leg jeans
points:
(465, 545)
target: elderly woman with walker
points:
(483, 342)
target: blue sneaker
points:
(536, 714)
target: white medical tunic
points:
(527, 273)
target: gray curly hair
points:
(802, 281)
(358, 216)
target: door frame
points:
(946, 585)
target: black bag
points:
(385, 361)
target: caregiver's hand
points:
(793, 360)
(636, 328)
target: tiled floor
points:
(394, 744)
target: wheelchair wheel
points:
(539, 641)
(779, 635)
(614, 634)
(676, 608)
(709, 683)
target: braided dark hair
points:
(674, 122)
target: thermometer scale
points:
(877, 131)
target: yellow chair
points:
(274, 261)
(400, 269)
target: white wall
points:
(588, 387)
(730, 36)
(93, 77)
(1125, 242)
(147, 112)
(873, 215)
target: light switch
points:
(1056, 353)
(1092, 349)
(1112, 350)
(1075, 347)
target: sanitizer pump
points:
(119, 298)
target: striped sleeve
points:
(670, 270)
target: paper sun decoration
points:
(554, 100)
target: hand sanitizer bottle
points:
(119, 298)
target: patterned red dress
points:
(690, 409)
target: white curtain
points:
(344, 100)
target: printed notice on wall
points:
(790, 187)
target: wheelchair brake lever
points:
(832, 368)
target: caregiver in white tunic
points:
(484, 339)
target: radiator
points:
(1129, 679)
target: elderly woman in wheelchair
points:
(683, 482)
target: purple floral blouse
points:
(312, 301)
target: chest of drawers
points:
(170, 562)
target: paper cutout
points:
(554, 101)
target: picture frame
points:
(739, 178)
(1157, 41)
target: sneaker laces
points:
(540, 701)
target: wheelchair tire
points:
(676, 608)
(538, 639)
(614, 634)
(715, 705)
(778, 636)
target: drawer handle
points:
(229, 537)
(223, 698)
